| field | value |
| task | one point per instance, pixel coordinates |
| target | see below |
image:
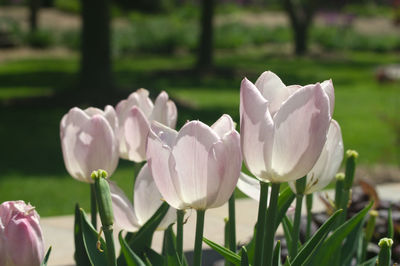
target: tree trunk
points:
(95, 72)
(300, 14)
(205, 50)
(300, 39)
(34, 6)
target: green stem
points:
(93, 206)
(232, 224)
(179, 233)
(108, 233)
(262, 210)
(270, 223)
(296, 225)
(309, 203)
(385, 253)
(199, 237)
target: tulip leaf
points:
(315, 242)
(81, 257)
(153, 258)
(144, 236)
(226, 253)
(131, 259)
(287, 230)
(46, 257)
(250, 247)
(90, 238)
(244, 261)
(351, 244)
(334, 241)
(370, 262)
(286, 198)
(276, 259)
(169, 248)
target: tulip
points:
(135, 115)
(147, 199)
(88, 142)
(283, 128)
(21, 239)
(199, 166)
(327, 164)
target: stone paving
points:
(58, 231)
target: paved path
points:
(58, 231)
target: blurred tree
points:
(205, 48)
(34, 6)
(301, 13)
(95, 72)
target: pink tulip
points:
(135, 115)
(328, 163)
(147, 199)
(21, 240)
(283, 128)
(197, 167)
(88, 142)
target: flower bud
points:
(21, 239)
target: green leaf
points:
(244, 261)
(370, 262)
(81, 257)
(226, 253)
(351, 244)
(154, 258)
(286, 198)
(46, 257)
(169, 247)
(276, 259)
(144, 236)
(334, 241)
(90, 237)
(131, 258)
(287, 230)
(313, 244)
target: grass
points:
(31, 162)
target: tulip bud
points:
(89, 142)
(21, 240)
(135, 115)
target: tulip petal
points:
(191, 156)
(164, 110)
(327, 86)
(165, 134)
(228, 158)
(273, 90)
(329, 161)
(256, 129)
(135, 130)
(95, 139)
(111, 116)
(148, 199)
(223, 125)
(301, 126)
(70, 125)
(124, 213)
(249, 186)
(158, 157)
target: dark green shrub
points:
(40, 39)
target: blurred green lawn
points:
(31, 162)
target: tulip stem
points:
(108, 233)
(179, 233)
(296, 226)
(270, 224)
(93, 206)
(199, 237)
(232, 224)
(262, 209)
(309, 203)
